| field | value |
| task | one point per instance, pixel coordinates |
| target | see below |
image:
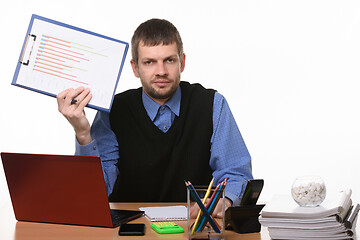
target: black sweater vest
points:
(153, 165)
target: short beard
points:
(154, 94)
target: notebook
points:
(63, 189)
(168, 213)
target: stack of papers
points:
(335, 218)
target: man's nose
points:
(161, 69)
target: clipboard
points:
(56, 56)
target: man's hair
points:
(154, 32)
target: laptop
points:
(64, 189)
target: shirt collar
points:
(152, 107)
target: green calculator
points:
(166, 227)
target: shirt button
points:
(165, 128)
(162, 108)
(94, 147)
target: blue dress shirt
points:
(229, 155)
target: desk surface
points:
(10, 229)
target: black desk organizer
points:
(243, 219)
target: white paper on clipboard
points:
(56, 56)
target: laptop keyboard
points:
(122, 216)
(116, 216)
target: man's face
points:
(159, 69)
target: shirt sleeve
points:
(104, 144)
(229, 154)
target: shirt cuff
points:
(86, 150)
(235, 199)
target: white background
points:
(289, 70)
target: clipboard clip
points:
(27, 49)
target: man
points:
(168, 131)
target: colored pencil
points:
(204, 200)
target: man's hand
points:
(71, 104)
(217, 211)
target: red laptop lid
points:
(57, 188)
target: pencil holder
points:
(201, 224)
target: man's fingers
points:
(73, 101)
(82, 96)
(61, 96)
(86, 100)
(194, 209)
(78, 90)
(71, 95)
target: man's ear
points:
(182, 62)
(134, 68)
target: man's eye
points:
(147, 62)
(171, 60)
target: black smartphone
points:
(252, 192)
(132, 229)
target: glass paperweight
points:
(308, 191)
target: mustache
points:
(162, 79)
